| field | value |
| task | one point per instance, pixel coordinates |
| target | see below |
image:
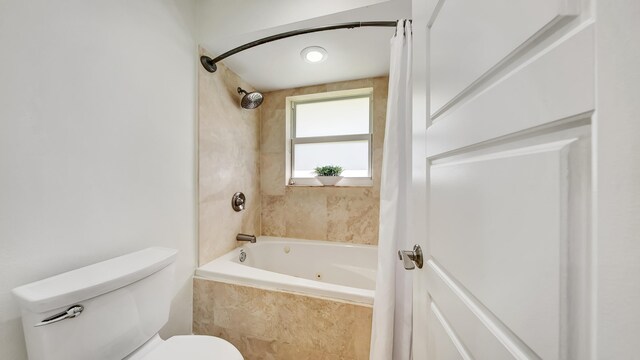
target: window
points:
(331, 129)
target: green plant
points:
(328, 170)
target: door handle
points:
(412, 258)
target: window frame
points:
(292, 140)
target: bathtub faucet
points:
(246, 237)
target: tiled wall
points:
(348, 214)
(265, 324)
(228, 162)
(244, 150)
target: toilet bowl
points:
(192, 347)
(111, 310)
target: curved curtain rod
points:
(210, 64)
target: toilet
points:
(111, 310)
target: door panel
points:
(554, 86)
(443, 343)
(508, 263)
(474, 326)
(508, 155)
(471, 37)
(507, 253)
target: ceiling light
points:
(314, 54)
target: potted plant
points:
(329, 175)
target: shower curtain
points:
(392, 308)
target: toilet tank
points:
(125, 301)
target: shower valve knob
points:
(238, 201)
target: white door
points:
(506, 168)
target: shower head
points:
(250, 100)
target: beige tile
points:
(273, 123)
(219, 224)
(352, 84)
(353, 219)
(306, 213)
(272, 173)
(256, 167)
(275, 99)
(381, 85)
(314, 89)
(266, 324)
(214, 240)
(226, 165)
(273, 215)
(379, 116)
(377, 171)
(220, 176)
(341, 213)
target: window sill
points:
(346, 182)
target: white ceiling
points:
(353, 53)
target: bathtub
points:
(316, 268)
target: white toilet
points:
(111, 310)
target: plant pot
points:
(329, 180)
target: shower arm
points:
(210, 64)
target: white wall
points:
(97, 142)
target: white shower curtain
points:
(392, 308)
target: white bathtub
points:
(318, 268)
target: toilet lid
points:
(195, 347)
